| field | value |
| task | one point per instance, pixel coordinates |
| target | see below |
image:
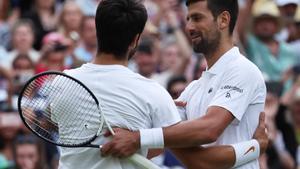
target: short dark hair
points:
(218, 6)
(117, 23)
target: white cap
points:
(265, 7)
(285, 2)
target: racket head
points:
(31, 114)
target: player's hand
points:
(261, 133)
(123, 144)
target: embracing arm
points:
(199, 131)
(221, 157)
(185, 134)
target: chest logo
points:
(210, 90)
(228, 95)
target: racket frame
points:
(84, 144)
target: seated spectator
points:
(146, 57)
(54, 53)
(29, 153)
(174, 59)
(44, 16)
(22, 42)
(87, 48)
(70, 20)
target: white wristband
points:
(152, 138)
(245, 152)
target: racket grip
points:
(142, 162)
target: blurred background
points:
(41, 35)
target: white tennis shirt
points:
(235, 84)
(128, 101)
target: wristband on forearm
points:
(152, 138)
(245, 152)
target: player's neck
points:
(219, 52)
(108, 59)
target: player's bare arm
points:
(185, 134)
(207, 157)
(199, 131)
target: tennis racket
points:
(63, 111)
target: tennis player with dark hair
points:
(127, 99)
(223, 106)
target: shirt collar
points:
(224, 60)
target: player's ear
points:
(223, 20)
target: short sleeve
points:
(165, 112)
(238, 90)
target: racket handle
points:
(142, 162)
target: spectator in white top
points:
(70, 19)
(22, 42)
(88, 45)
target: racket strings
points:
(47, 90)
(39, 124)
(60, 110)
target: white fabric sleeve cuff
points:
(152, 138)
(245, 152)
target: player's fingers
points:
(262, 119)
(180, 103)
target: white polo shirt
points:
(235, 84)
(128, 101)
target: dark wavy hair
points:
(218, 6)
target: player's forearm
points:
(192, 133)
(221, 157)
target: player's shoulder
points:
(73, 72)
(146, 82)
(245, 68)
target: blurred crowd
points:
(41, 35)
